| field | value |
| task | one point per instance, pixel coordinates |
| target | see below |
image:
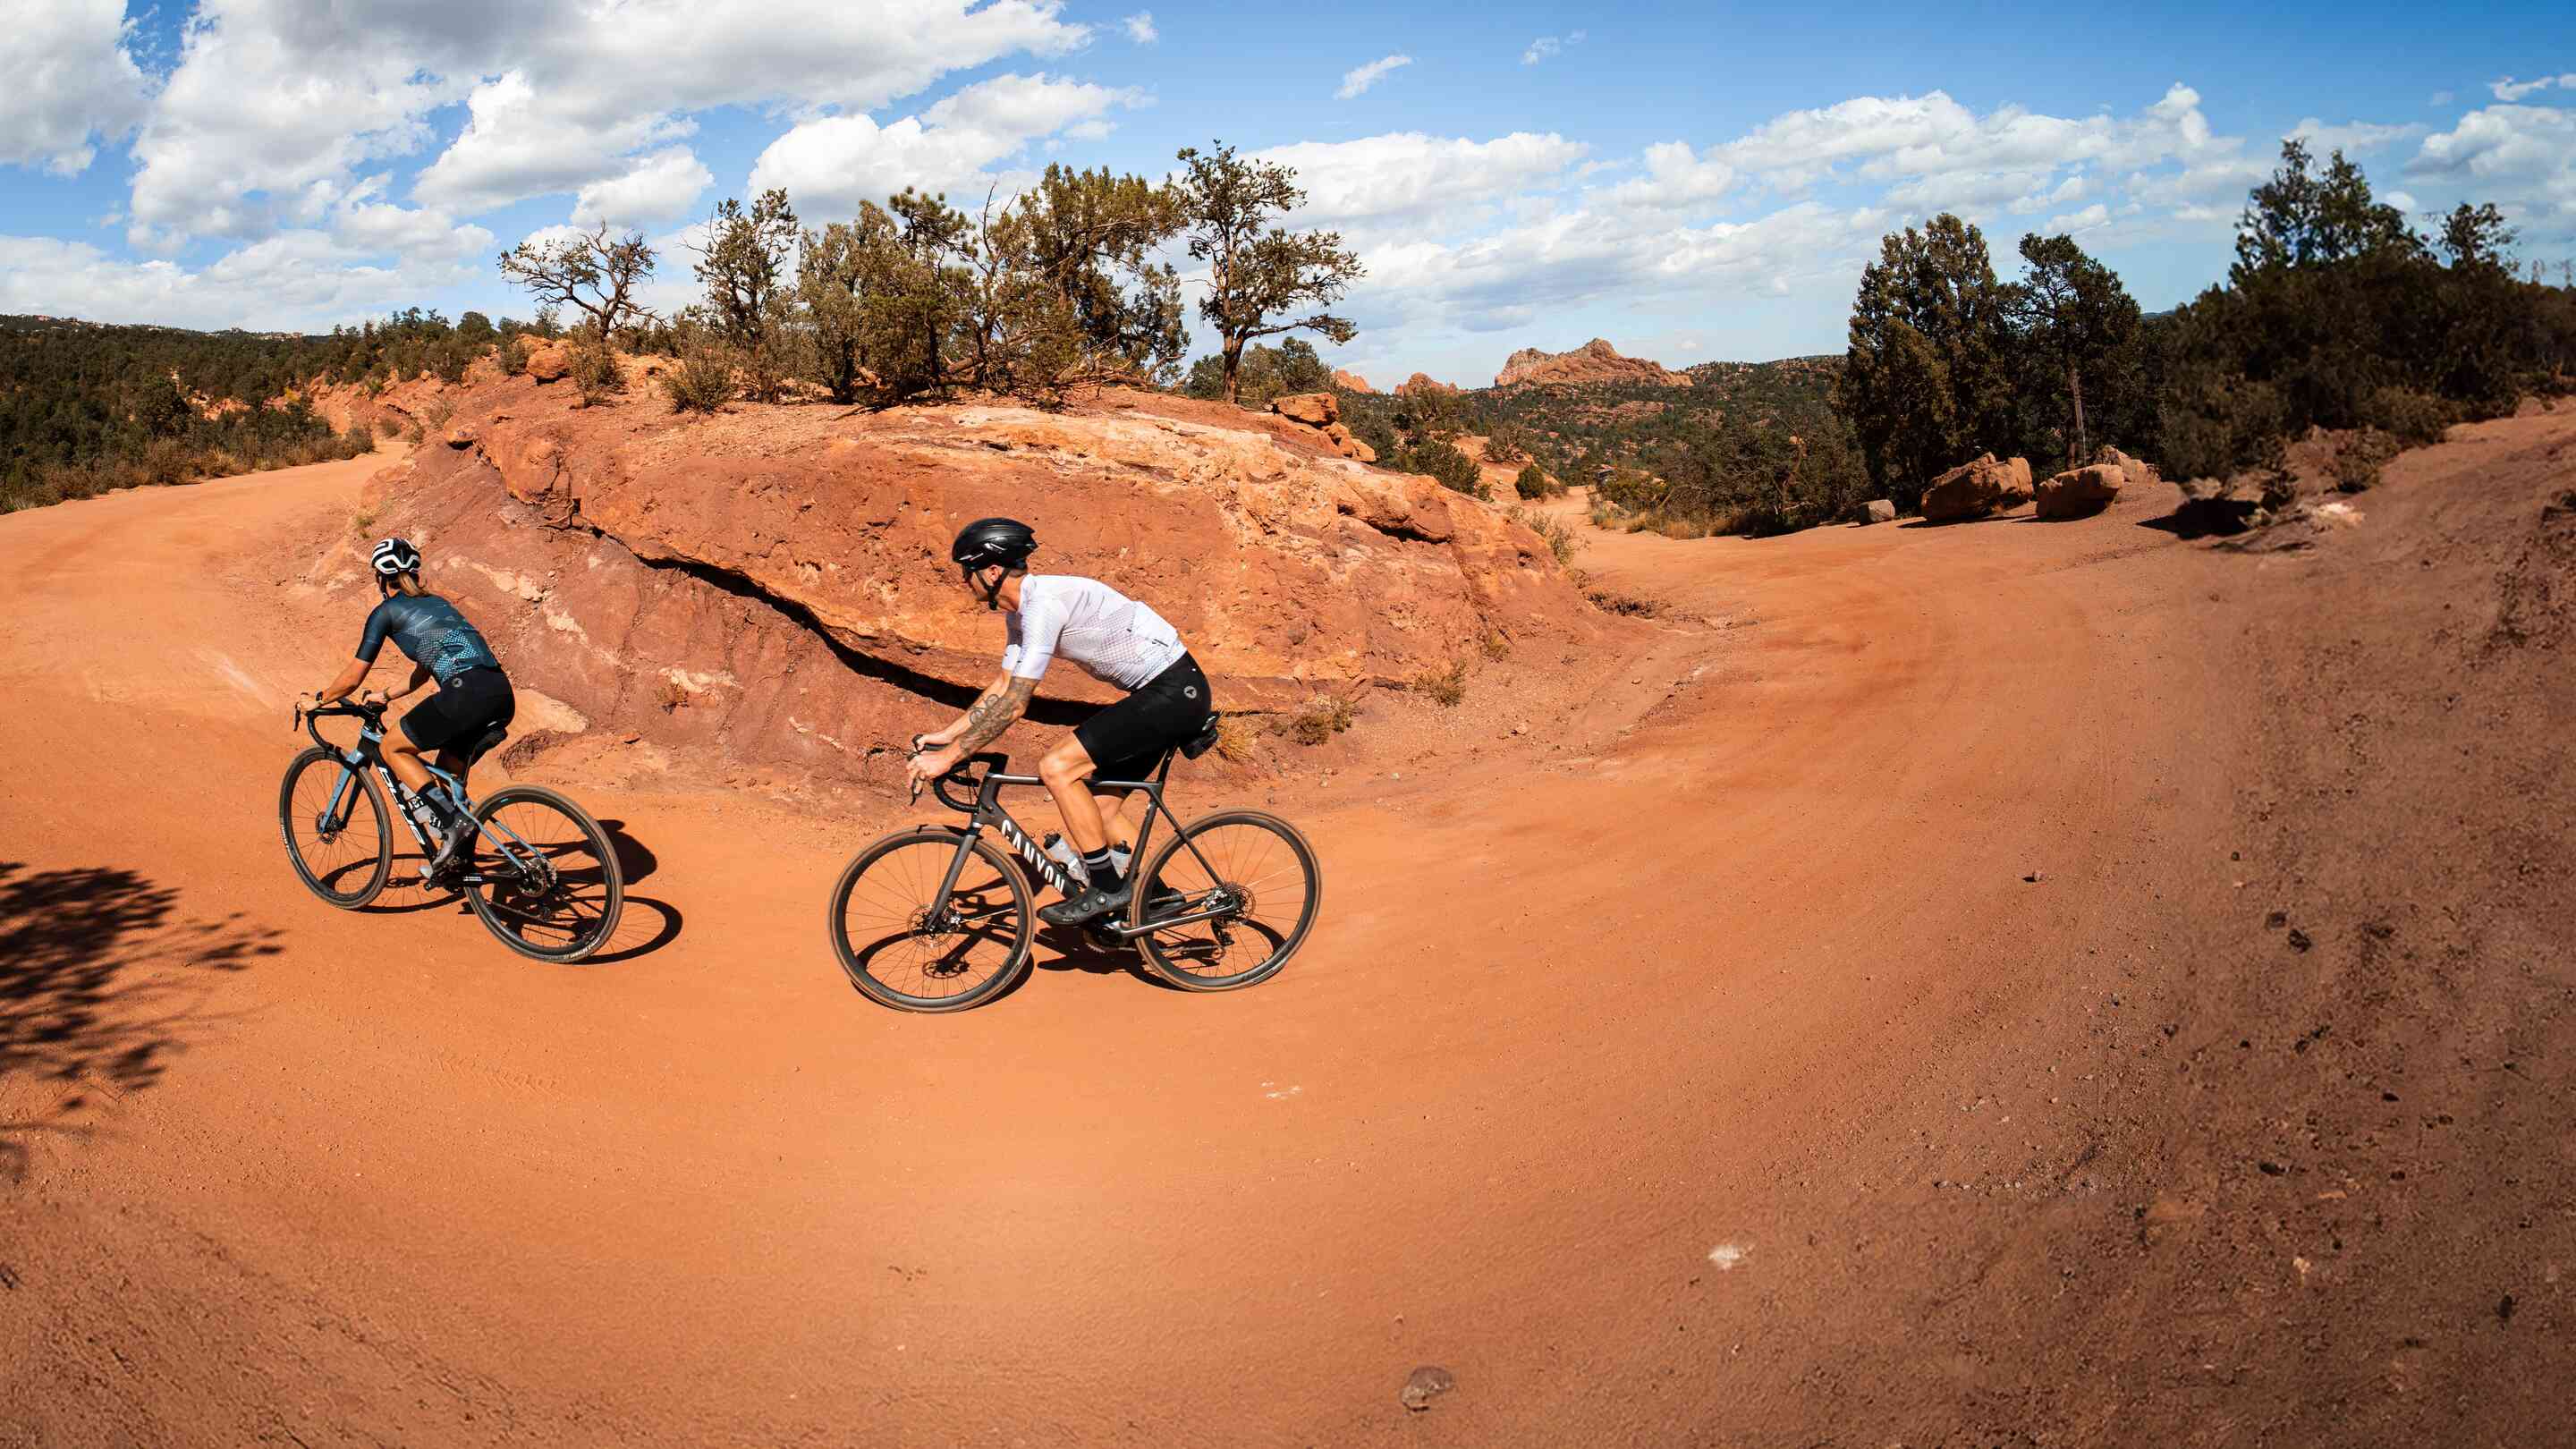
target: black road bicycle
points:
(939, 918)
(541, 874)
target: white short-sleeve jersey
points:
(1115, 639)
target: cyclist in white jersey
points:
(1113, 638)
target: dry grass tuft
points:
(1443, 687)
(1234, 740)
(1322, 717)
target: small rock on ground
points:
(1425, 1384)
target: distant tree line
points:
(2336, 314)
(1063, 286)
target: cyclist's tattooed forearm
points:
(993, 714)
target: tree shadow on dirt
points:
(102, 982)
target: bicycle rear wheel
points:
(546, 876)
(1256, 872)
(901, 949)
(339, 836)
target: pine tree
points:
(1256, 270)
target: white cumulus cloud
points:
(275, 102)
(2523, 158)
(295, 280)
(1140, 27)
(67, 81)
(656, 188)
(1361, 78)
(831, 164)
(1407, 181)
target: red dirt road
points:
(1815, 1057)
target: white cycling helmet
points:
(395, 557)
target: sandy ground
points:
(1873, 1028)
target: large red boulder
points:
(2079, 491)
(1976, 488)
(1314, 409)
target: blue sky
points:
(1693, 183)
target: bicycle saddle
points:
(491, 740)
(1205, 740)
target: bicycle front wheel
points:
(1252, 877)
(338, 829)
(545, 877)
(903, 947)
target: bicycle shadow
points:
(1076, 951)
(102, 982)
(658, 925)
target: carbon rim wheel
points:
(901, 952)
(342, 853)
(550, 886)
(1258, 873)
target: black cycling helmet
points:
(395, 557)
(990, 541)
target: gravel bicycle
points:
(940, 918)
(541, 874)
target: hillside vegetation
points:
(86, 408)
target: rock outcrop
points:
(2136, 473)
(1314, 409)
(1351, 382)
(1977, 487)
(550, 363)
(1323, 410)
(1876, 510)
(1422, 382)
(1595, 361)
(2079, 491)
(771, 584)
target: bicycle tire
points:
(372, 793)
(909, 897)
(1166, 953)
(504, 918)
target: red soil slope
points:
(1849, 1015)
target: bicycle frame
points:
(987, 811)
(367, 754)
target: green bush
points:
(1456, 471)
(596, 374)
(2415, 419)
(2356, 466)
(512, 357)
(1533, 482)
(703, 380)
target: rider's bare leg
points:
(1124, 817)
(403, 758)
(1066, 770)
